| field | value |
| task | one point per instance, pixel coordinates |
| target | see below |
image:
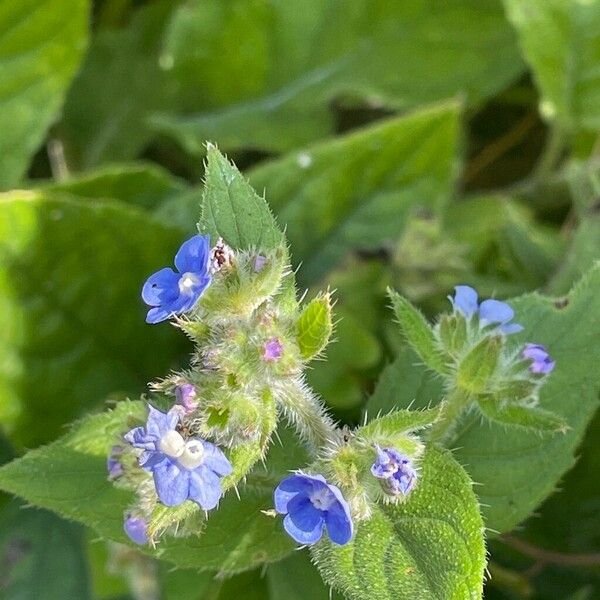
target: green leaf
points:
(69, 477)
(418, 332)
(430, 546)
(561, 42)
(72, 324)
(119, 84)
(581, 256)
(399, 421)
(42, 556)
(42, 44)
(357, 191)
(527, 417)
(314, 327)
(293, 62)
(296, 578)
(517, 470)
(142, 184)
(233, 210)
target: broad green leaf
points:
(72, 324)
(142, 184)
(42, 556)
(509, 251)
(527, 417)
(516, 470)
(231, 209)
(295, 578)
(561, 42)
(314, 327)
(69, 477)
(430, 546)
(418, 332)
(292, 61)
(569, 520)
(354, 349)
(357, 191)
(119, 84)
(42, 43)
(581, 256)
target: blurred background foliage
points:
(417, 144)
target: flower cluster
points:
(396, 471)
(489, 313)
(220, 414)
(494, 315)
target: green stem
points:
(552, 152)
(306, 414)
(452, 408)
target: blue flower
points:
(397, 471)
(309, 503)
(182, 469)
(136, 528)
(490, 312)
(171, 293)
(541, 362)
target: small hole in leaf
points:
(561, 303)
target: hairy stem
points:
(305, 412)
(550, 556)
(445, 425)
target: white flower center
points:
(192, 455)
(322, 499)
(187, 282)
(172, 444)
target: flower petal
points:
(303, 522)
(193, 255)
(158, 315)
(172, 482)
(139, 438)
(135, 528)
(291, 486)
(494, 311)
(465, 300)
(509, 328)
(339, 523)
(161, 287)
(205, 487)
(215, 460)
(160, 423)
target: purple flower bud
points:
(272, 350)
(541, 362)
(136, 529)
(186, 397)
(395, 470)
(310, 504)
(113, 463)
(259, 263)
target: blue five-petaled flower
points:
(396, 470)
(173, 293)
(309, 504)
(182, 469)
(490, 312)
